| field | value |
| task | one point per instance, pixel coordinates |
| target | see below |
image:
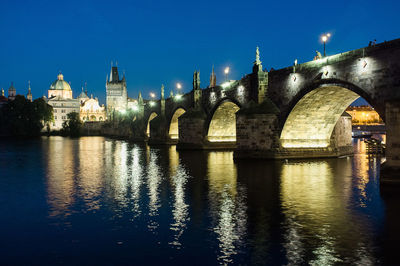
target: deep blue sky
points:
(159, 42)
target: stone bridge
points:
(295, 112)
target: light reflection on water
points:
(111, 194)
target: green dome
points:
(60, 84)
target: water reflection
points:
(227, 204)
(180, 213)
(311, 192)
(153, 186)
(60, 176)
(136, 183)
(300, 212)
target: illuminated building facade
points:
(91, 110)
(364, 115)
(60, 98)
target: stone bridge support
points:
(390, 173)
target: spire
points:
(114, 77)
(257, 64)
(140, 99)
(29, 95)
(2, 92)
(60, 76)
(213, 78)
(86, 88)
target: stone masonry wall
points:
(393, 134)
(256, 132)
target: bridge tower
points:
(117, 96)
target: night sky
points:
(159, 42)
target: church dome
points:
(60, 84)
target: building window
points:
(63, 111)
(55, 110)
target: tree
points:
(21, 117)
(72, 127)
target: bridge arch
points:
(151, 117)
(313, 114)
(173, 129)
(222, 121)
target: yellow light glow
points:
(226, 70)
(178, 86)
(324, 38)
(152, 103)
(178, 97)
(152, 95)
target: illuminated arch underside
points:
(223, 123)
(174, 126)
(311, 122)
(151, 117)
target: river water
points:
(99, 201)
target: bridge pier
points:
(159, 132)
(258, 136)
(390, 172)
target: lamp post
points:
(226, 71)
(325, 38)
(178, 87)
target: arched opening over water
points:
(312, 121)
(151, 117)
(174, 125)
(222, 127)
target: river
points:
(100, 201)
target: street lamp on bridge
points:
(226, 71)
(325, 38)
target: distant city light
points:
(178, 97)
(152, 95)
(152, 103)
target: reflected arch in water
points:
(222, 126)
(174, 123)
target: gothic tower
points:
(117, 96)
